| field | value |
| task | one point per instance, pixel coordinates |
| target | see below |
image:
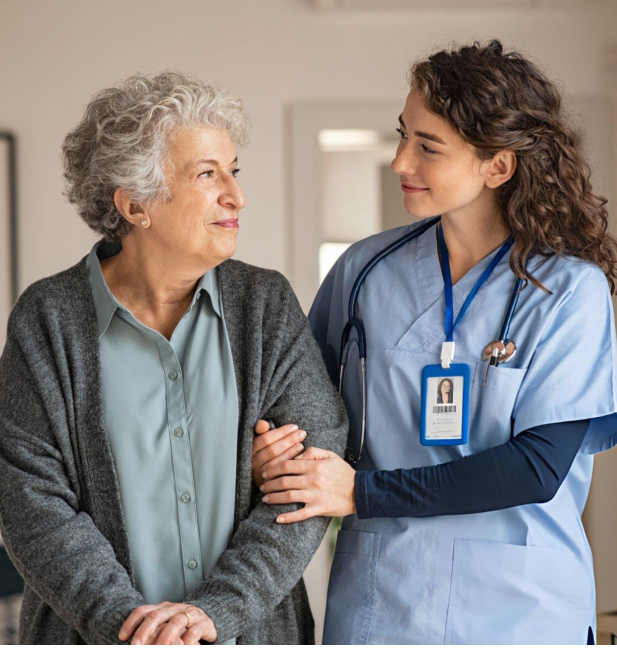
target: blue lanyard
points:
(450, 324)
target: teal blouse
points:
(171, 414)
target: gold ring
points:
(186, 613)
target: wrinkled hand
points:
(272, 446)
(165, 624)
(319, 478)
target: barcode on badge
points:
(440, 409)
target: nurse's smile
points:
(411, 189)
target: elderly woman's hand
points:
(167, 623)
(319, 478)
(271, 446)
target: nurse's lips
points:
(229, 224)
(408, 188)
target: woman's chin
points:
(218, 246)
(223, 251)
(417, 209)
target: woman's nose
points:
(403, 162)
(233, 196)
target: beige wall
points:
(275, 53)
(351, 207)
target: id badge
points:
(445, 405)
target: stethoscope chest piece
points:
(499, 351)
(496, 353)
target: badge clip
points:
(447, 354)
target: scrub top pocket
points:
(500, 378)
(489, 404)
(352, 582)
(515, 594)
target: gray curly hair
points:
(122, 141)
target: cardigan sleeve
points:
(52, 542)
(265, 559)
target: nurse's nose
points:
(404, 162)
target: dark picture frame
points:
(9, 282)
(11, 583)
(8, 150)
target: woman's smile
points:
(231, 223)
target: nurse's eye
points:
(207, 174)
(235, 172)
(428, 150)
(402, 133)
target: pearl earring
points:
(144, 222)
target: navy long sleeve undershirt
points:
(527, 469)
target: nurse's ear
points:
(499, 169)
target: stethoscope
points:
(494, 353)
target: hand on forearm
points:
(318, 478)
(272, 446)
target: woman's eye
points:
(207, 174)
(401, 132)
(235, 172)
(428, 150)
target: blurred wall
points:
(352, 193)
(274, 53)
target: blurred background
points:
(323, 82)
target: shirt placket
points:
(184, 481)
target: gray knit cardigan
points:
(60, 510)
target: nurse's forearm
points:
(527, 469)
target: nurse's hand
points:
(319, 478)
(271, 446)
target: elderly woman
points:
(130, 387)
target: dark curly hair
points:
(499, 100)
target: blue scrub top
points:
(519, 575)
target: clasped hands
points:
(167, 623)
(285, 473)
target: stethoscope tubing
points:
(511, 310)
(353, 322)
(391, 248)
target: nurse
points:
(463, 522)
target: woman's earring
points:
(145, 222)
